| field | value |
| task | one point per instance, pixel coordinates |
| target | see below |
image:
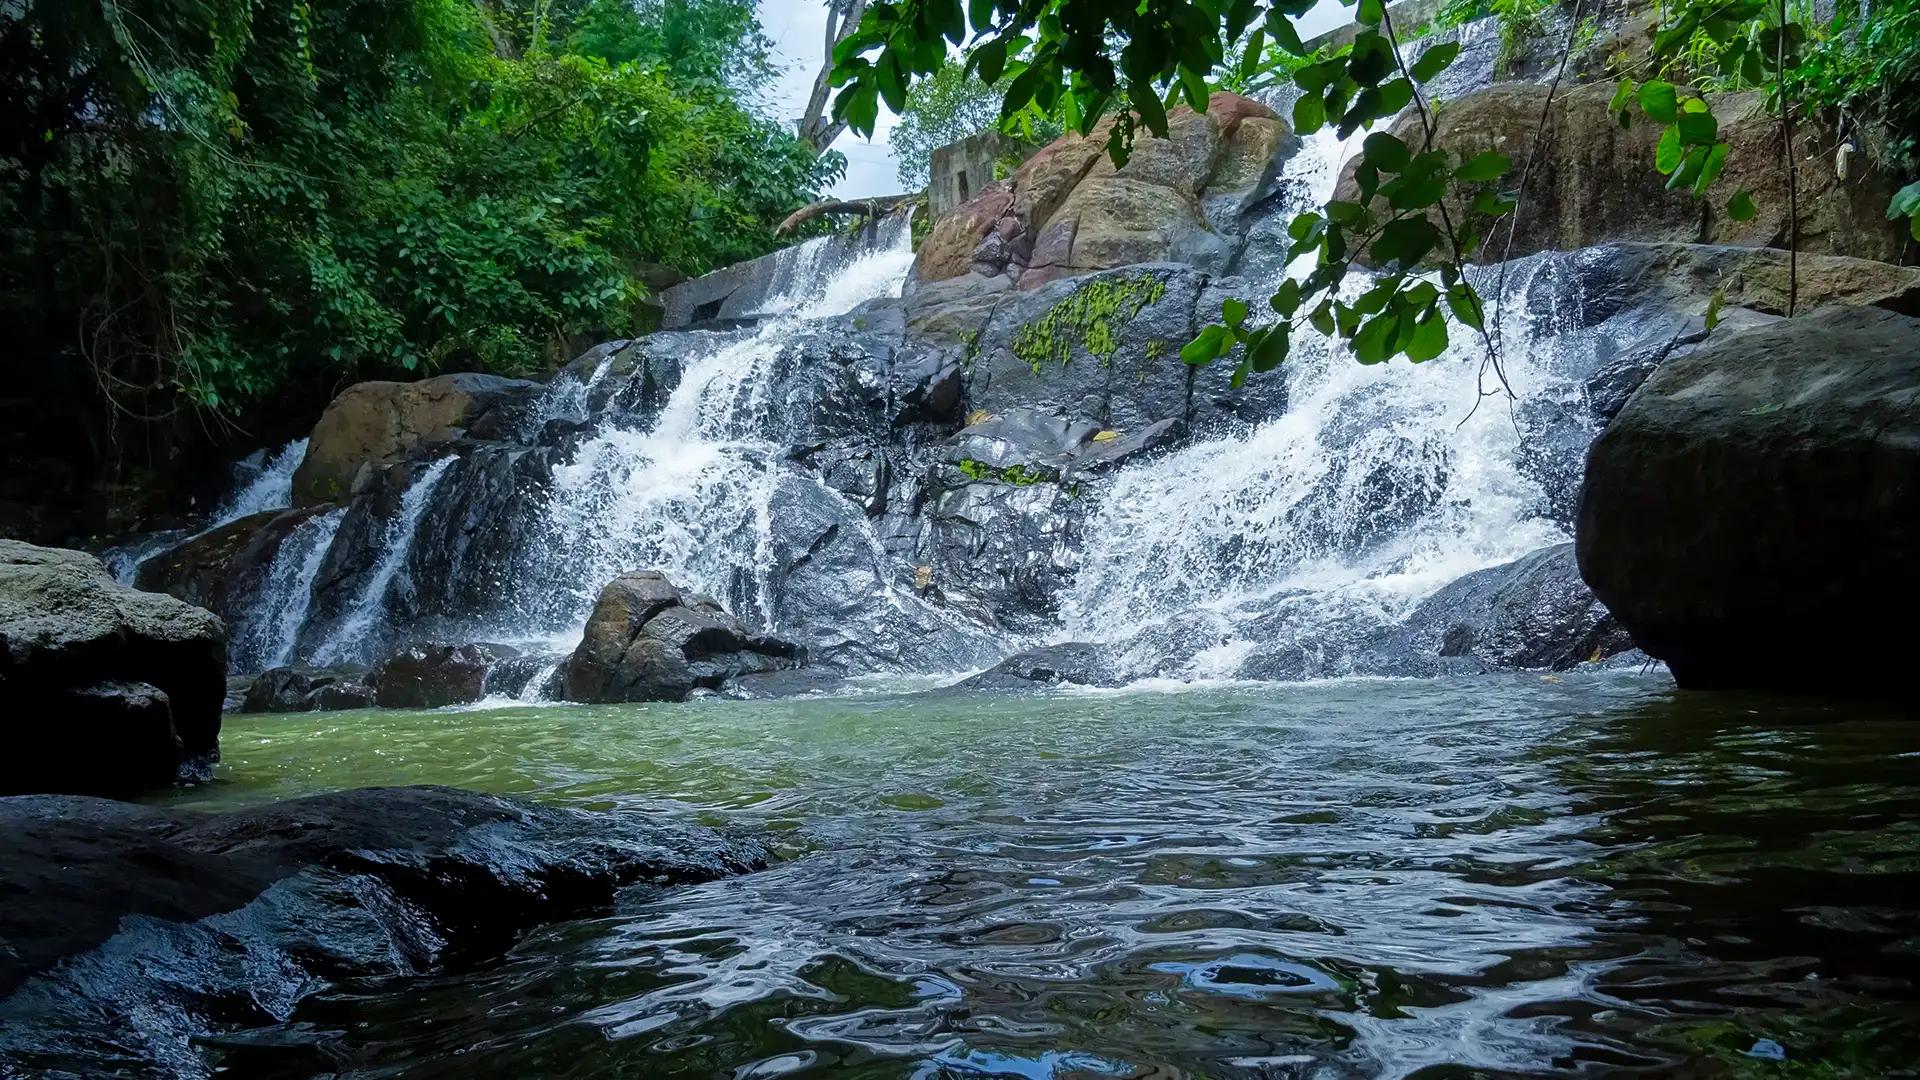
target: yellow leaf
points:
(1106, 436)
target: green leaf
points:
(1740, 207)
(1204, 349)
(1429, 338)
(1286, 300)
(1234, 311)
(1194, 86)
(1374, 343)
(1906, 202)
(1493, 204)
(1710, 170)
(980, 13)
(1285, 34)
(1714, 302)
(1435, 60)
(1465, 305)
(1621, 95)
(1386, 153)
(1309, 114)
(1667, 155)
(1370, 12)
(1147, 104)
(1345, 213)
(1322, 318)
(1303, 225)
(1414, 193)
(1698, 128)
(990, 60)
(1394, 96)
(1270, 350)
(1689, 169)
(1659, 102)
(1491, 165)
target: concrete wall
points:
(960, 169)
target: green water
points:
(1494, 876)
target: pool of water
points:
(1515, 875)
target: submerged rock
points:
(1753, 515)
(111, 689)
(649, 640)
(434, 676)
(127, 933)
(1079, 662)
(307, 689)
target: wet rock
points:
(1751, 515)
(116, 688)
(307, 689)
(1532, 613)
(649, 640)
(1594, 182)
(372, 424)
(1078, 662)
(128, 933)
(435, 676)
(224, 570)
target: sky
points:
(798, 29)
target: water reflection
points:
(1496, 877)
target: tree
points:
(1131, 62)
(950, 104)
(817, 126)
(206, 205)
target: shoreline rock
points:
(113, 690)
(237, 917)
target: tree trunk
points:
(817, 126)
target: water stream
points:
(1590, 874)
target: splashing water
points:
(1378, 485)
(266, 638)
(269, 487)
(349, 638)
(691, 494)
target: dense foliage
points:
(203, 200)
(1421, 214)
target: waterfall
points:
(1374, 487)
(266, 638)
(691, 491)
(356, 629)
(267, 486)
(271, 488)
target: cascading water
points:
(349, 638)
(267, 486)
(691, 493)
(266, 638)
(1375, 487)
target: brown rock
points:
(649, 640)
(1593, 182)
(1068, 211)
(379, 423)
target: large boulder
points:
(379, 423)
(1752, 516)
(1592, 181)
(1068, 210)
(650, 640)
(128, 934)
(224, 569)
(112, 689)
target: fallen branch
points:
(874, 207)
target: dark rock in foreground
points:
(126, 932)
(1753, 514)
(649, 640)
(110, 690)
